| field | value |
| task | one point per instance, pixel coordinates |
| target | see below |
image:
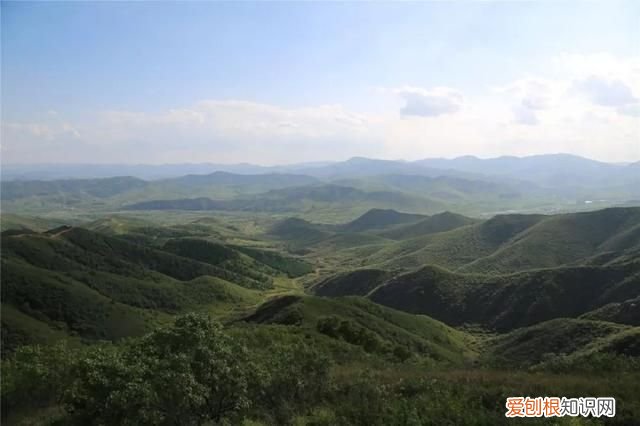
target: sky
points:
(283, 82)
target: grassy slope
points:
(565, 239)
(454, 248)
(418, 333)
(380, 218)
(626, 312)
(506, 302)
(102, 287)
(510, 243)
(352, 283)
(441, 222)
(19, 222)
(562, 336)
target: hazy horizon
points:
(282, 83)
(309, 163)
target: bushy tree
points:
(37, 374)
(187, 374)
(294, 380)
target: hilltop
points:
(379, 218)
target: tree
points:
(187, 374)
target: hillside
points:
(510, 243)
(94, 286)
(299, 199)
(626, 312)
(72, 188)
(299, 231)
(560, 171)
(441, 222)
(219, 185)
(505, 302)
(455, 248)
(566, 239)
(353, 283)
(379, 218)
(459, 192)
(219, 255)
(19, 222)
(558, 337)
(375, 328)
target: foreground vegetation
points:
(197, 372)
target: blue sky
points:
(281, 82)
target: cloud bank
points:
(589, 105)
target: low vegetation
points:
(192, 317)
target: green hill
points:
(292, 266)
(379, 218)
(505, 302)
(77, 282)
(10, 221)
(627, 312)
(360, 322)
(441, 222)
(455, 248)
(238, 184)
(460, 191)
(353, 283)
(75, 249)
(213, 253)
(558, 337)
(155, 232)
(299, 231)
(511, 243)
(566, 239)
(73, 188)
(299, 199)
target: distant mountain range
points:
(469, 185)
(537, 166)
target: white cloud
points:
(528, 96)
(585, 105)
(429, 102)
(210, 130)
(608, 93)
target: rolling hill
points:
(303, 199)
(375, 328)
(566, 239)
(454, 190)
(552, 170)
(440, 222)
(78, 282)
(72, 188)
(561, 338)
(505, 302)
(353, 283)
(510, 243)
(379, 218)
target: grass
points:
(419, 334)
